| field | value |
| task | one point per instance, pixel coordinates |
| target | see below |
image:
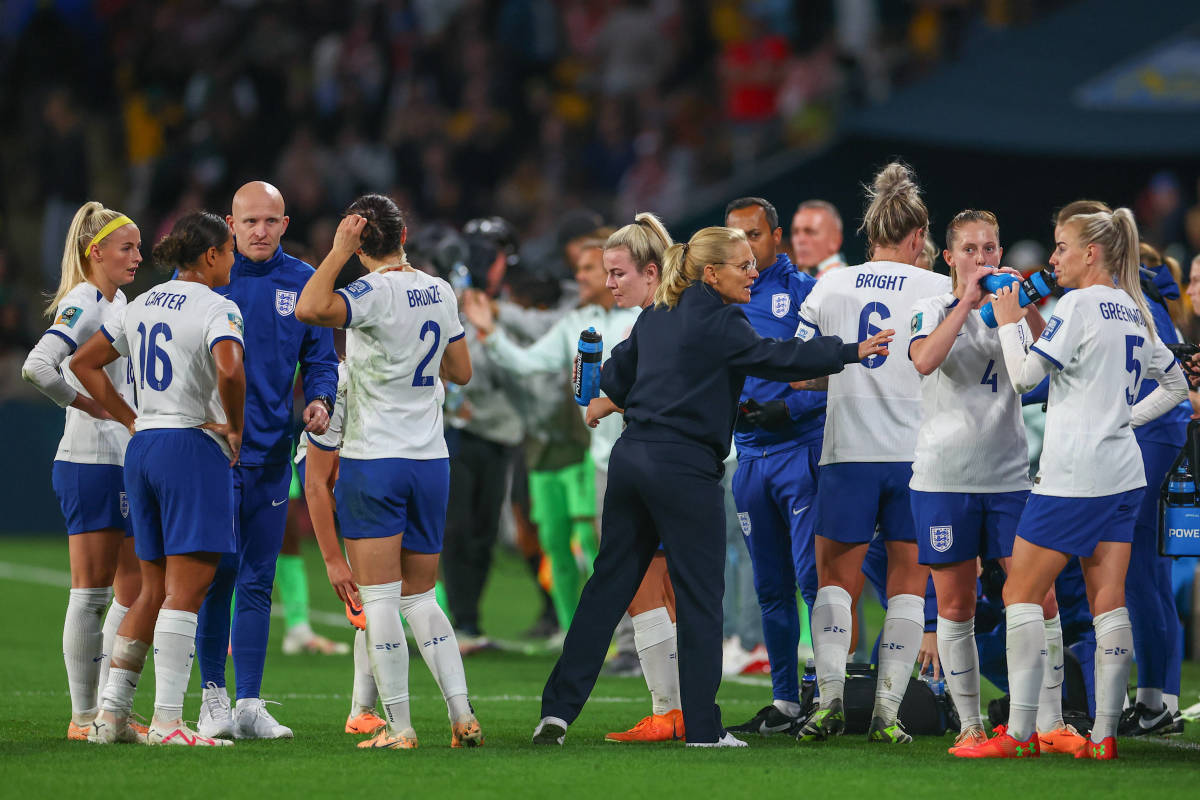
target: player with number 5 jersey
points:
(866, 459)
(1097, 349)
(185, 342)
(403, 336)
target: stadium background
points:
(530, 108)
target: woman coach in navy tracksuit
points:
(678, 377)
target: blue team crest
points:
(124, 499)
(1051, 328)
(358, 288)
(780, 303)
(285, 302)
(941, 537)
(744, 518)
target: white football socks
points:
(1049, 713)
(654, 638)
(83, 648)
(831, 623)
(960, 665)
(1114, 655)
(365, 695)
(903, 627)
(388, 651)
(1152, 699)
(439, 647)
(112, 621)
(1026, 633)
(117, 696)
(1171, 701)
(174, 651)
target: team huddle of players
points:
(922, 448)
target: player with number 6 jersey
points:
(185, 342)
(403, 335)
(866, 459)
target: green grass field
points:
(36, 759)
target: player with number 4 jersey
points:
(866, 459)
(403, 335)
(971, 473)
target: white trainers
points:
(551, 730)
(251, 720)
(109, 728)
(302, 639)
(216, 714)
(176, 733)
(728, 740)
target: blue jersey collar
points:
(249, 267)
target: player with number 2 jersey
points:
(403, 335)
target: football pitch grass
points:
(36, 760)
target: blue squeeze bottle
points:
(1030, 290)
(587, 366)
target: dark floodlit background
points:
(529, 108)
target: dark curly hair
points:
(384, 232)
(189, 239)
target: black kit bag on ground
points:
(922, 713)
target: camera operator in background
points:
(485, 428)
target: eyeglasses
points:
(746, 268)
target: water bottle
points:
(808, 685)
(460, 278)
(937, 686)
(1179, 526)
(1029, 290)
(587, 366)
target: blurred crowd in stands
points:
(457, 108)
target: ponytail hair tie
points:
(686, 245)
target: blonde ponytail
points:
(646, 239)
(683, 264)
(1115, 232)
(88, 221)
(894, 208)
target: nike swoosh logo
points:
(796, 511)
(278, 502)
(1060, 666)
(765, 728)
(964, 672)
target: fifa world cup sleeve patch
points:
(235, 323)
(358, 288)
(1052, 328)
(917, 319)
(69, 316)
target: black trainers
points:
(767, 721)
(1141, 721)
(1176, 726)
(623, 665)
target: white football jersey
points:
(85, 439)
(1102, 352)
(874, 410)
(972, 436)
(169, 333)
(331, 439)
(399, 322)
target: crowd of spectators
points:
(457, 108)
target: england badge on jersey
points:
(285, 302)
(780, 303)
(941, 537)
(124, 500)
(744, 518)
